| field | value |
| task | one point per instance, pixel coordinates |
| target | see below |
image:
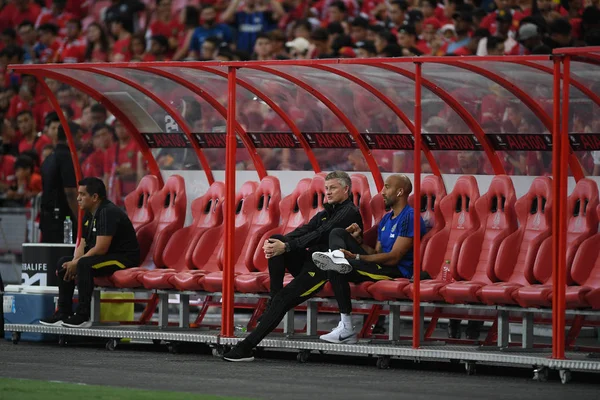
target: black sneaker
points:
(55, 320)
(77, 321)
(454, 331)
(473, 330)
(239, 354)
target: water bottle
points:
(446, 271)
(68, 231)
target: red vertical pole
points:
(70, 142)
(562, 249)
(417, 215)
(556, 198)
(230, 148)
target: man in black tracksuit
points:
(293, 252)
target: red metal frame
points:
(279, 111)
(529, 102)
(70, 141)
(120, 115)
(388, 102)
(417, 215)
(258, 164)
(169, 108)
(556, 196)
(459, 109)
(338, 113)
(228, 267)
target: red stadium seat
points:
(378, 210)
(207, 254)
(496, 211)
(207, 212)
(361, 195)
(137, 202)
(169, 208)
(460, 221)
(517, 254)
(291, 218)
(582, 224)
(585, 273)
(311, 201)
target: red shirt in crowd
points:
(121, 50)
(36, 144)
(11, 16)
(7, 170)
(123, 156)
(49, 53)
(94, 164)
(79, 8)
(72, 52)
(46, 17)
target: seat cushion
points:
(593, 298)
(189, 280)
(104, 281)
(575, 296)
(429, 290)
(129, 278)
(252, 282)
(499, 293)
(158, 279)
(463, 292)
(361, 290)
(389, 290)
(534, 296)
(213, 282)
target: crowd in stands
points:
(78, 31)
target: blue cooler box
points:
(27, 306)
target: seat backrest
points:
(378, 207)
(311, 201)
(137, 203)
(289, 208)
(460, 220)
(496, 213)
(266, 217)
(361, 196)
(586, 263)
(517, 253)
(207, 210)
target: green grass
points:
(24, 389)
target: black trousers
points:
(87, 269)
(307, 283)
(293, 261)
(362, 271)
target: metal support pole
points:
(163, 310)
(394, 323)
(503, 328)
(288, 323)
(184, 310)
(418, 321)
(527, 331)
(312, 311)
(227, 327)
(95, 310)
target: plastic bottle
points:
(446, 271)
(68, 231)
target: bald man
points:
(350, 260)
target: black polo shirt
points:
(110, 220)
(57, 173)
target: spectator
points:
(191, 19)
(210, 48)
(559, 34)
(208, 28)
(137, 47)
(98, 46)
(18, 11)
(398, 10)
(365, 49)
(122, 35)
(303, 29)
(31, 139)
(358, 29)
(47, 47)
(56, 15)
(27, 183)
(462, 25)
(415, 18)
(320, 40)
(159, 48)
(28, 40)
(299, 48)
(73, 48)
(262, 48)
(165, 25)
(494, 46)
(384, 39)
(338, 13)
(98, 114)
(122, 163)
(51, 125)
(528, 39)
(123, 11)
(95, 162)
(7, 171)
(251, 20)
(278, 45)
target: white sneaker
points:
(332, 261)
(341, 334)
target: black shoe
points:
(239, 354)
(379, 328)
(454, 329)
(55, 320)
(473, 330)
(77, 321)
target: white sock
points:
(347, 320)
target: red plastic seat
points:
(460, 221)
(361, 195)
(207, 213)
(585, 273)
(311, 202)
(291, 218)
(378, 210)
(582, 224)
(169, 208)
(517, 254)
(207, 254)
(496, 211)
(137, 203)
